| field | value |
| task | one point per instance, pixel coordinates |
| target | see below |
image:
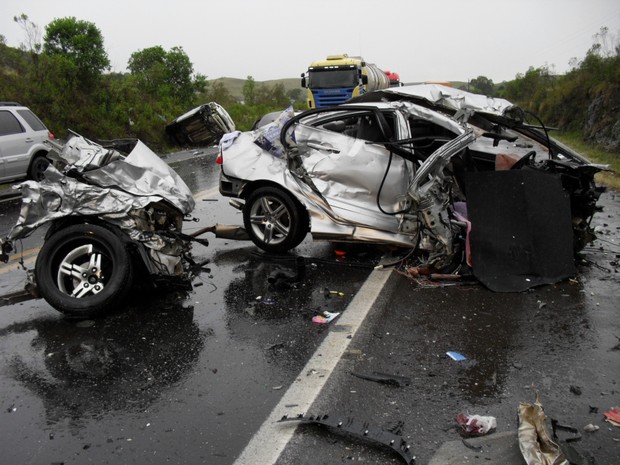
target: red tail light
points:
(50, 135)
(220, 159)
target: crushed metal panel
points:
(143, 173)
(115, 189)
(348, 172)
(445, 97)
(521, 229)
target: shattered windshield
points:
(330, 78)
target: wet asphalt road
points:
(188, 378)
(562, 341)
(178, 378)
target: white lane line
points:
(270, 440)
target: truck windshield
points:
(331, 78)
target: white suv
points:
(22, 152)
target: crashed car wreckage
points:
(457, 177)
(114, 211)
(461, 180)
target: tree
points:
(78, 42)
(32, 31)
(166, 74)
(249, 91)
(219, 93)
(482, 85)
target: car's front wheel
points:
(274, 221)
(84, 270)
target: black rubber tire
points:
(38, 165)
(76, 246)
(261, 210)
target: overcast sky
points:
(272, 39)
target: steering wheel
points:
(525, 160)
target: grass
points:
(595, 154)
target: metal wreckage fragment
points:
(361, 430)
(112, 208)
(139, 193)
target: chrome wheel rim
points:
(270, 220)
(80, 273)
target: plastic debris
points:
(575, 390)
(557, 426)
(536, 445)
(385, 378)
(590, 428)
(328, 293)
(363, 431)
(476, 425)
(456, 356)
(324, 317)
(613, 416)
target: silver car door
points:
(349, 172)
(16, 144)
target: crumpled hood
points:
(143, 173)
(115, 188)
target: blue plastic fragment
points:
(456, 356)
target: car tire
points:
(38, 165)
(84, 270)
(274, 221)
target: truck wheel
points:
(38, 165)
(84, 270)
(274, 221)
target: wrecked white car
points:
(203, 125)
(458, 177)
(114, 212)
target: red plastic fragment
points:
(613, 416)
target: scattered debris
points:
(590, 428)
(384, 378)
(362, 430)
(471, 446)
(456, 356)
(15, 297)
(328, 293)
(575, 390)
(476, 425)
(536, 445)
(324, 317)
(556, 426)
(613, 416)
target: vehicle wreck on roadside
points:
(115, 212)
(203, 125)
(458, 178)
